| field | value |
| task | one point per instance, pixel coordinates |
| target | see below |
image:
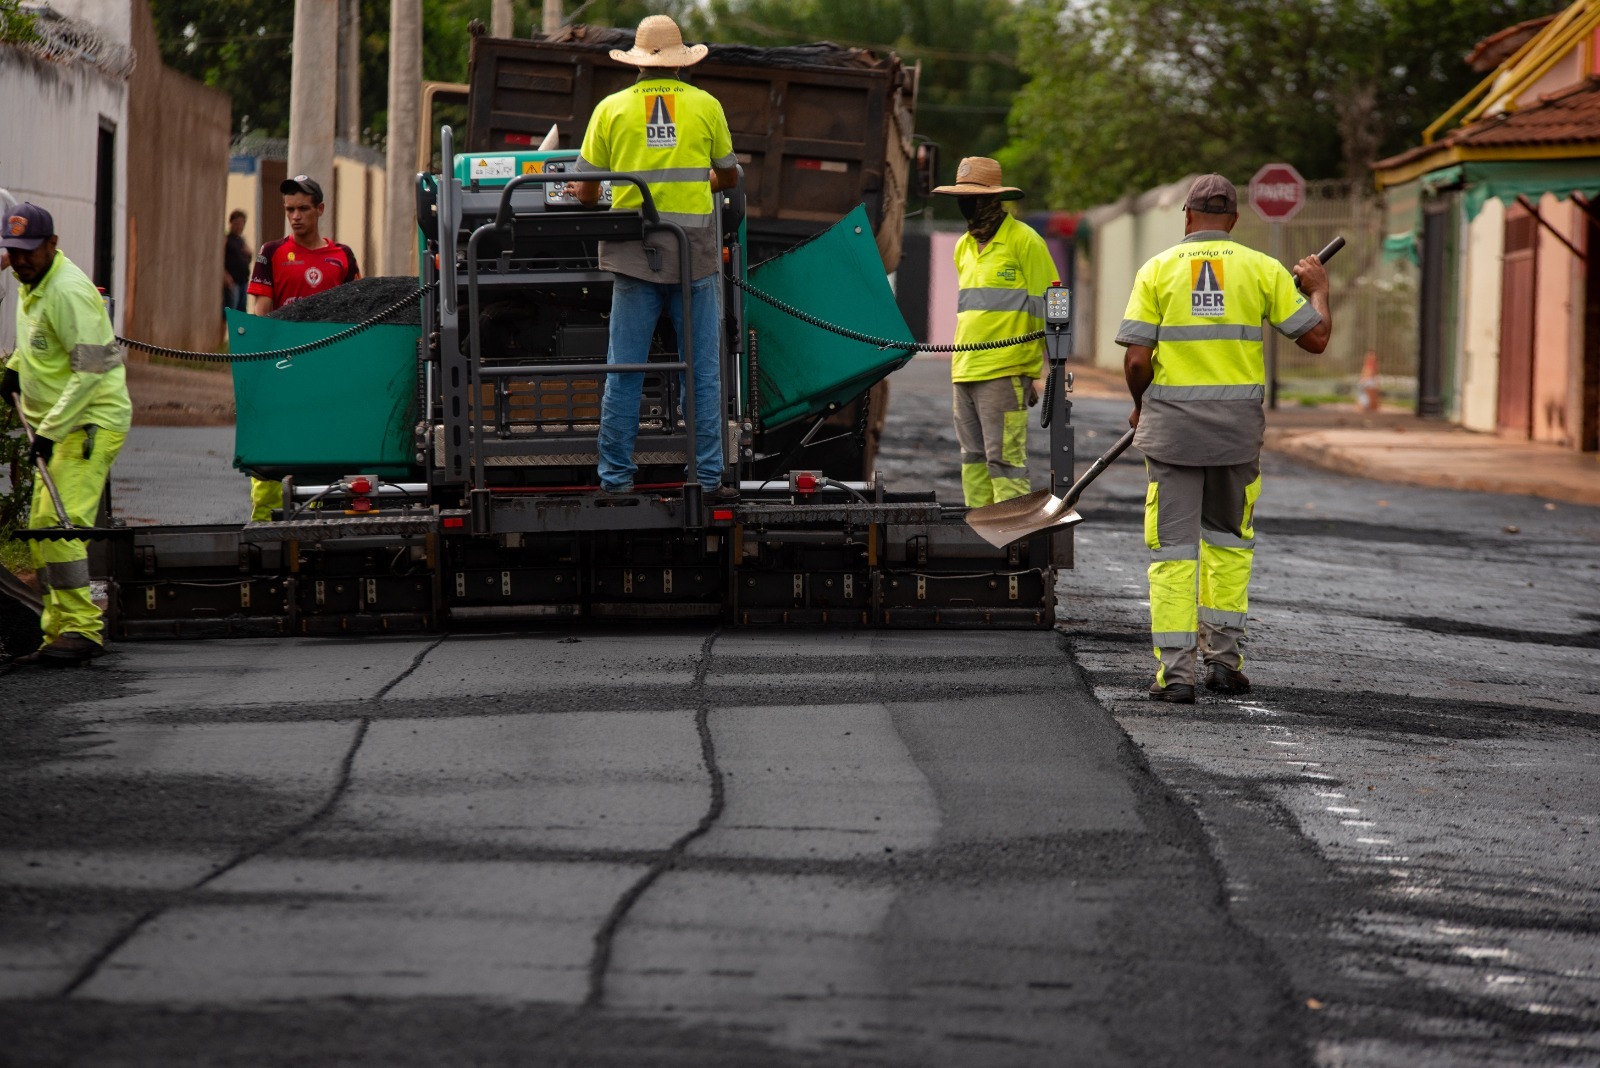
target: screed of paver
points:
(580, 782)
(521, 663)
(828, 782)
(204, 677)
(517, 932)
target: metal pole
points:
(1276, 243)
(552, 17)
(500, 19)
(405, 89)
(314, 91)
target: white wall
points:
(49, 140)
(1480, 318)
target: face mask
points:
(984, 216)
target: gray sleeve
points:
(1302, 321)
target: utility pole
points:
(350, 70)
(552, 17)
(500, 19)
(405, 94)
(314, 91)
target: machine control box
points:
(1057, 305)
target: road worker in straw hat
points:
(677, 138)
(1003, 269)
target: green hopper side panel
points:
(346, 409)
(837, 277)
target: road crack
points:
(93, 965)
(605, 937)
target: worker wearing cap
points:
(68, 372)
(1193, 332)
(676, 137)
(301, 265)
(1003, 268)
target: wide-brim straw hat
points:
(979, 176)
(659, 43)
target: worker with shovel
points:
(1193, 333)
(1003, 269)
(68, 377)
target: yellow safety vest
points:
(1001, 296)
(67, 357)
(1200, 306)
(671, 135)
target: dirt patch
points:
(167, 394)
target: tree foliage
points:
(1126, 94)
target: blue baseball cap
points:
(26, 227)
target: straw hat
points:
(979, 176)
(659, 43)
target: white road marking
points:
(1481, 953)
(1328, 793)
(1344, 811)
(1355, 823)
(1505, 980)
(1376, 841)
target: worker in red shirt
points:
(305, 263)
(301, 265)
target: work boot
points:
(1175, 693)
(25, 660)
(625, 493)
(723, 494)
(1221, 679)
(71, 648)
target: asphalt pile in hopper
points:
(356, 302)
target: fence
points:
(1374, 301)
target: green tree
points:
(1126, 94)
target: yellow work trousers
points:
(264, 497)
(63, 566)
(1199, 525)
(992, 429)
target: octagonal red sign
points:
(1277, 192)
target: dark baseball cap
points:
(301, 184)
(1214, 195)
(26, 227)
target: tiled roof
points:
(1568, 117)
(1495, 49)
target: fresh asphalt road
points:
(713, 846)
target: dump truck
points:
(438, 460)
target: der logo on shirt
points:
(660, 126)
(1207, 297)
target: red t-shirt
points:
(287, 271)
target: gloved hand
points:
(10, 386)
(42, 448)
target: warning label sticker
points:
(482, 167)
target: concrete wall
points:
(942, 286)
(1557, 330)
(1115, 255)
(1479, 359)
(177, 182)
(49, 140)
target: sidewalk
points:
(1396, 446)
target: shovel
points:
(66, 530)
(1003, 523)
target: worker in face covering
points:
(1003, 269)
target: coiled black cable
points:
(376, 319)
(880, 342)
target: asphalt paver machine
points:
(442, 471)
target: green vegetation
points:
(16, 25)
(14, 503)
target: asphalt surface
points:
(705, 846)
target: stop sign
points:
(1277, 192)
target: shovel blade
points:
(1003, 523)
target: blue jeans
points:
(635, 307)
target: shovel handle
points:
(44, 469)
(1099, 466)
